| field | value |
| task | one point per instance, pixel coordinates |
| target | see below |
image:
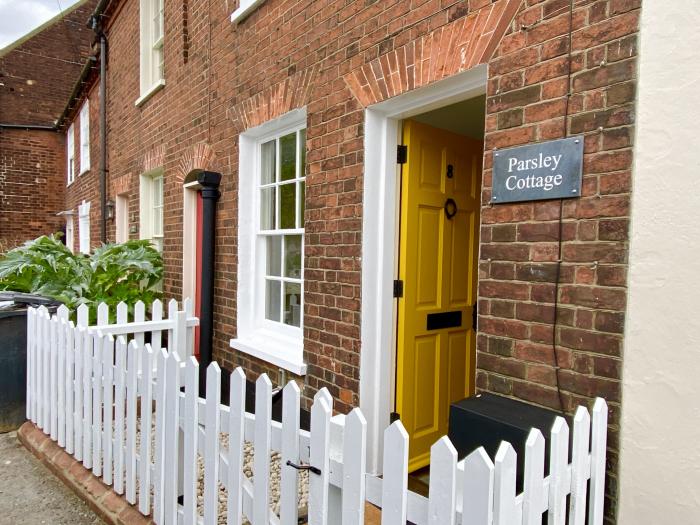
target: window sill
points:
(276, 349)
(150, 92)
(84, 171)
(248, 7)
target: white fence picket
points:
(133, 351)
(534, 502)
(580, 467)
(46, 377)
(211, 445)
(599, 438)
(119, 407)
(236, 428)
(102, 314)
(171, 428)
(146, 389)
(505, 508)
(160, 438)
(289, 506)
(354, 461)
(156, 315)
(395, 483)
(477, 488)
(60, 380)
(139, 317)
(88, 344)
(559, 480)
(108, 407)
(78, 342)
(191, 435)
(53, 386)
(29, 392)
(98, 343)
(319, 456)
(443, 483)
(70, 387)
(261, 461)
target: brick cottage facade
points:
(551, 274)
(37, 74)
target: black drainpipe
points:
(96, 26)
(209, 181)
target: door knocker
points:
(450, 208)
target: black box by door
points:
(486, 420)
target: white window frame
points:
(152, 35)
(85, 137)
(274, 342)
(70, 232)
(121, 218)
(245, 7)
(84, 226)
(70, 156)
(148, 221)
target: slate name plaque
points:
(549, 170)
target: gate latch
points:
(310, 468)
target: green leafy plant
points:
(127, 272)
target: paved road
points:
(30, 494)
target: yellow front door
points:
(440, 198)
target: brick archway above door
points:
(454, 47)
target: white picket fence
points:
(93, 394)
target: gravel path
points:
(30, 494)
(248, 457)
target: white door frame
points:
(379, 229)
(189, 241)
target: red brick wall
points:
(39, 73)
(335, 58)
(31, 193)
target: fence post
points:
(505, 511)
(533, 493)
(146, 431)
(354, 463)
(579, 467)
(133, 351)
(70, 386)
(29, 395)
(108, 399)
(559, 481)
(289, 507)
(261, 461)
(119, 407)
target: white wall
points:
(660, 452)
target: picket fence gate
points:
(92, 390)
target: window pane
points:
(267, 209)
(292, 256)
(288, 156)
(288, 211)
(267, 163)
(292, 304)
(158, 191)
(158, 220)
(302, 147)
(272, 300)
(274, 255)
(302, 204)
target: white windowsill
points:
(84, 171)
(276, 349)
(150, 92)
(247, 7)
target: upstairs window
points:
(152, 36)
(70, 155)
(85, 137)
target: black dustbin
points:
(13, 355)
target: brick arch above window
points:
(274, 101)
(450, 49)
(154, 158)
(199, 157)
